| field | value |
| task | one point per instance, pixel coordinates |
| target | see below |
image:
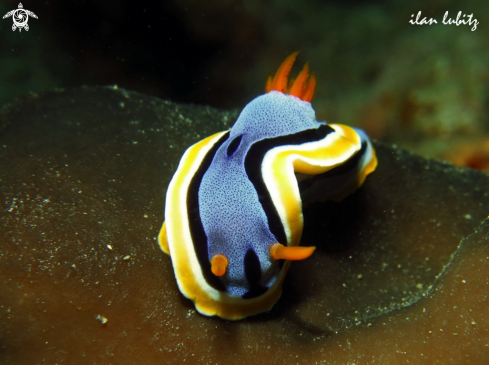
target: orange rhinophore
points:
(219, 264)
(294, 253)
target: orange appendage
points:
(219, 263)
(279, 81)
(279, 251)
(269, 84)
(303, 86)
(309, 89)
(299, 83)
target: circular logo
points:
(20, 18)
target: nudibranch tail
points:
(303, 86)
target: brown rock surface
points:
(400, 273)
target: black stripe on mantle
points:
(253, 167)
(199, 238)
(338, 170)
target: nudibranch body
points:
(234, 206)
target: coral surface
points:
(399, 274)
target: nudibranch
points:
(234, 206)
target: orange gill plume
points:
(303, 87)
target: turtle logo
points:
(20, 17)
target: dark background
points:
(423, 87)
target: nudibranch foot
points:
(234, 206)
(163, 240)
